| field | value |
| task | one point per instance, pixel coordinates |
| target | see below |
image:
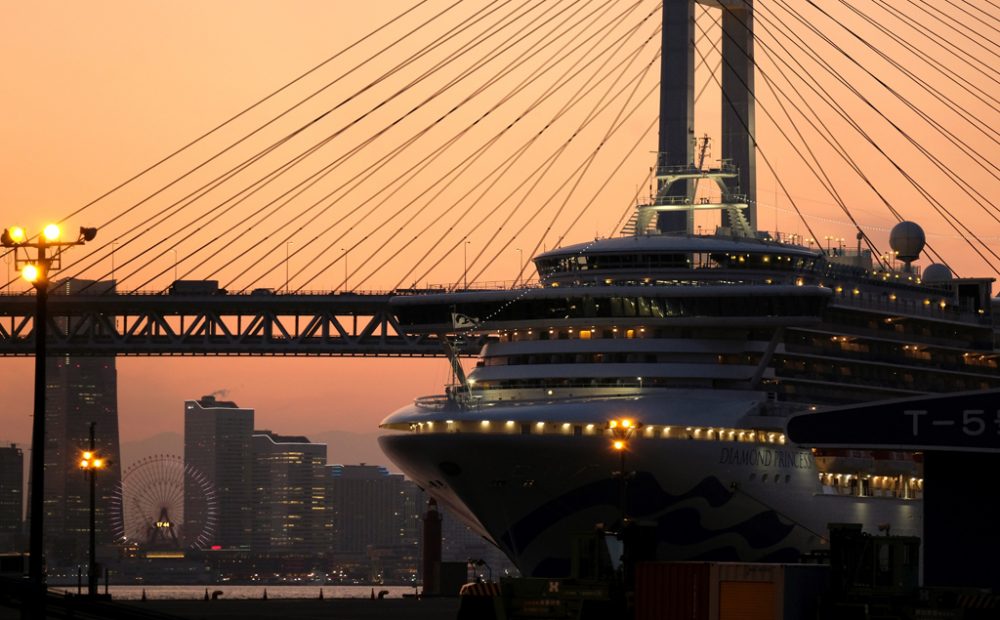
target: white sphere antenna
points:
(936, 273)
(907, 240)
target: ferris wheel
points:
(148, 507)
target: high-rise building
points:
(79, 391)
(11, 498)
(291, 511)
(217, 442)
(376, 523)
(372, 507)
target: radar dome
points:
(936, 273)
(907, 240)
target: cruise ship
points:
(648, 378)
(706, 345)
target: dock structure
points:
(959, 436)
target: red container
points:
(727, 591)
(672, 591)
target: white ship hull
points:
(531, 494)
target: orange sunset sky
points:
(93, 93)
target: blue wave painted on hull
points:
(648, 501)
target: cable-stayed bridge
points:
(453, 143)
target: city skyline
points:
(90, 111)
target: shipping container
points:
(728, 591)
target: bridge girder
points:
(347, 325)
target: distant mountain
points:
(342, 447)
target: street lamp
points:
(37, 271)
(520, 264)
(465, 264)
(91, 462)
(621, 432)
(287, 243)
(345, 268)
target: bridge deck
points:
(296, 324)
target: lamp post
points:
(287, 243)
(36, 271)
(91, 463)
(520, 265)
(621, 432)
(345, 268)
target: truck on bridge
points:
(196, 287)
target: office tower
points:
(289, 495)
(79, 390)
(371, 507)
(376, 522)
(217, 443)
(11, 498)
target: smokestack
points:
(432, 549)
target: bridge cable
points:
(426, 160)
(246, 163)
(837, 108)
(613, 126)
(965, 84)
(944, 99)
(322, 173)
(342, 158)
(259, 102)
(961, 32)
(559, 189)
(508, 164)
(254, 158)
(963, 55)
(930, 198)
(875, 145)
(975, 18)
(545, 95)
(822, 130)
(427, 48)
(592, 115)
